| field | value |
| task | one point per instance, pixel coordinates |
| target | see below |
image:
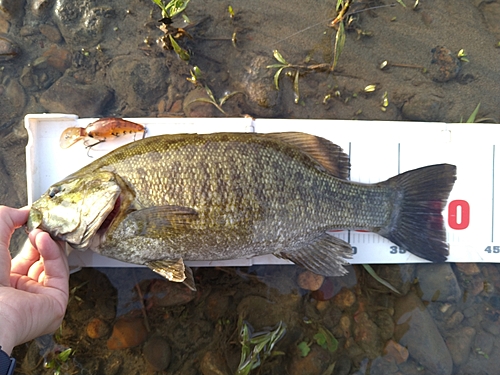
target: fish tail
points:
(417, 223)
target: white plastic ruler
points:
(378, 151)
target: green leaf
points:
(182, 53)
(174, 7)
(473, 115)
(339, 45)
(296, 92)
(278, 57)
(372, 272)
(64, 355)
(401, 2)
(326, 340)
(277, 77)
(304, 348)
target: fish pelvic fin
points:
(326, 255)
(330, 156)
(173, 270)
(417, 223)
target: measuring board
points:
(378, 151)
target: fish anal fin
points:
(327, 154)
(326, 255)
(173, 270)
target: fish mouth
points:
(110, 218)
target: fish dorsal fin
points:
(327, 154)
(325, 255)
(173, 270)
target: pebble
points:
(484, 341)
(58, 58)
(216, 306)
(213, 363)
(438, 282)
(459, 344)
(41, 8)
(468, 268)
(97, 328)
(366, 335)
(396, 351)
(445, 65)
(416, 330)
(326, 291)
(491, 327)
(165, 293)
(315, 363)
(51, 33)
(344, 299)
(127, 333)
(424, 107)
(157, 353)
(310, 281)
(8, 48)
(192, 107)
(66, 95)
(454, 320)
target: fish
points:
(164, 200)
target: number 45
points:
(492, 249)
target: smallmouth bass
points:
(162, 200)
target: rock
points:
(491, 327)
(445, 65)
(80, 23)
(41, 8)
(383, 366)
(157, 353)
(384, 322)
(213, 363)
(326, 291)
(51, 33)
(58, 58)
(138, 81)
(68, 96)
(484, 342)
(396, 352)
(97, 328)
(424, 107)
(310, 281)
(12, 102)
(454, 320)
(343, 329)
(194, 105)
(366, 335)
(257, 83)
(12, 10)
(469, 269)
(166, 293)
(127, 333)
(315, 363)
(438, 282)
(264, 313)
(344, 299)
(459, 344)
(216, 306)
(8, 48)
(416, 330)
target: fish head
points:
(74, 209)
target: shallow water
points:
(103, 59)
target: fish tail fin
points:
(417, 223)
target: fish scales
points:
(235, 195)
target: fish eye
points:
(53, 191)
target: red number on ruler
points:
(458, 214)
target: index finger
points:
(10, 219)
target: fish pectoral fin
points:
(173, 270)
(325, 255)
(155, 220)
(330, 156)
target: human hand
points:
(33, 285)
